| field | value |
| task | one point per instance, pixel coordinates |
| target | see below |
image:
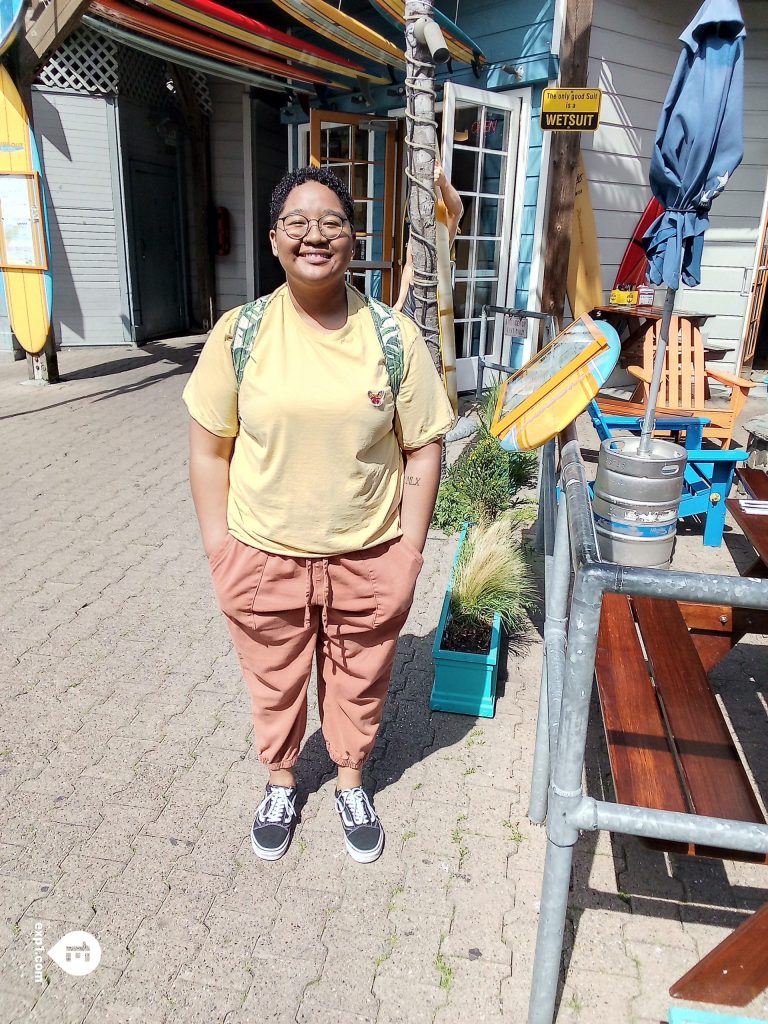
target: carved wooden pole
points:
(421, 140)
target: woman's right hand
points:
(213, 541)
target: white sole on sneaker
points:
(368, 856)
(269, 854)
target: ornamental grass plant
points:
(491, 576)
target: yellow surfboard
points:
(584, 285)
(25, 271)
(337, 27)
(445, 305)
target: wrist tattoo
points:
(413, 481)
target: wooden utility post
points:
(574, 59)
(46, 25)
(421, 142)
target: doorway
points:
(484, 148)
(361, 151)
(156, 250)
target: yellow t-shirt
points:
(317, 468)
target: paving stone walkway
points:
(128, 783)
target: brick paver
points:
(128, 783)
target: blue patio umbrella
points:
(699, 144)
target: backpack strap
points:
(247, 328)
(391, 341)
(384, 321)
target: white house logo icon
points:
(77, 953)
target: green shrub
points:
(481, 483)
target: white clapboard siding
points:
(73, 132)
(634, 49)
(228, 188)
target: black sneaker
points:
(274, 821)
(362, 829)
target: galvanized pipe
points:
(568, 810)
(592, 815)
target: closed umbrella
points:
(699, 144)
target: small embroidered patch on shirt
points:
(376, 397)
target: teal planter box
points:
(464, 683)
(681, 1015)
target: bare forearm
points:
(405, 279)
(453, 206)
(209, 481)
(420, 484)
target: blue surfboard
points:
(11, 17)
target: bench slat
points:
(642, 764)
(717, 782)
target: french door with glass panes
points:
(484, 144)
(361, 151)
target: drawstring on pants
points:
(310, 563)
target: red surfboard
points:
(205, 15)
(634, 263)
(142, 21)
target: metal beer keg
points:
(636, 501)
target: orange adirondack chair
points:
(684, 383)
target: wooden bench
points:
(670, 748)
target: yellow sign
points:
(571, 110)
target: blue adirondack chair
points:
(708, 472)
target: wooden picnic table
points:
(752, 516)
(631, 323)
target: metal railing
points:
(570, 642)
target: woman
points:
(314, 492)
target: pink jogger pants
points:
(345, 610)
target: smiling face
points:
(313, 260)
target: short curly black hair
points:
(300, 176)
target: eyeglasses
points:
(296, 226)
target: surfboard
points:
(28, 291)
(345, 31)
(584, 283)
(634, 263)
(11, 16)
(460, 46)
(445, 306)
(556, 385)
(145, 22)
(205, 14)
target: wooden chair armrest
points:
(730, 380)
(640, 373)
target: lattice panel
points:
(143, 78)
(85, 62)
(90, 62)
(202, 92)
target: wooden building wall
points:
(633, 53)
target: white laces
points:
(356, 804)
(277, 805)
